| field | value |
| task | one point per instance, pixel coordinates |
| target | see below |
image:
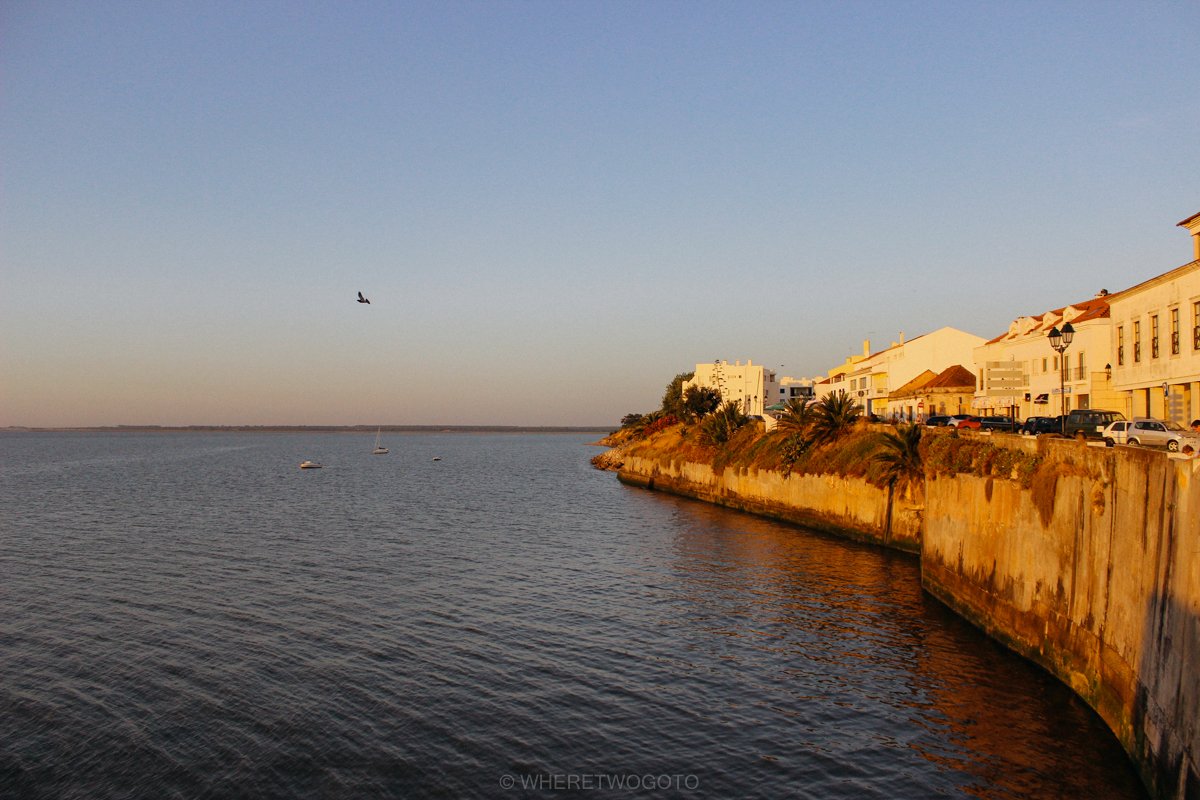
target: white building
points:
(1156, 342)
(794, 389)
(753, 387)
(872, 377)
(1080, 375)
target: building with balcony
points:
(752, 387)
(1048, 384)
(871, 378)
(1156, 342)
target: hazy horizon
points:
(555, 208)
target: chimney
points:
(1102, 293)
(901, 337)
(1192, 223)
(866, 348)
(738, 363)
(749, 362)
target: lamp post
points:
(1060, 341)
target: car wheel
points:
(1109, 442)
(1173, 446)
(1134, 442)
(1079, 437)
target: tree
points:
(901, 456)
(834, 416)
(797, 416)
(629, 420)
(719, 427)
(700, 401)
(672, 402)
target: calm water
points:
(190, 615)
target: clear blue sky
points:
(555, 207)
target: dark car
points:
(936, 422)
(1089, 423)
(1036, 426)
(998, 424)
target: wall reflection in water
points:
(843, 642)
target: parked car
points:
(1035, 426)
(1146, 432)
(998, 424)
(936, 422)
(1089, 423)
(970, 423)
(1115, 432)
(952, 422)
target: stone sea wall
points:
(847, 506)
(1093, 571)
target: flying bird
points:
(362, 299)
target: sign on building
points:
(1003, 378)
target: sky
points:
(555, 207)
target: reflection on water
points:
(192, 615)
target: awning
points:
(1042, 399)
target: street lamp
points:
(1060, 341)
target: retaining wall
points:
(846, 506)
(1094, 573)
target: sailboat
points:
(379, 451)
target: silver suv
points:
(1150, 433)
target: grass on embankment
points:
(851, 456)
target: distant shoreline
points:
(320, 429)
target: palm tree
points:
(834, 416)
(796, 417)
(902, 463)
(722, 424)
(901, 456)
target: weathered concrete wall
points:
(1095, 574)
(847, 506)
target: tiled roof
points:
(1096, 308)
(1186, 221)
(917, 382)
(953, 377)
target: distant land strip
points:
(330, 429)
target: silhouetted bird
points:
(362, 299)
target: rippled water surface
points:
(191, 615)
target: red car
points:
(970, 422)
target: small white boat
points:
(310, 465)
(379, 451)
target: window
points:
(1154, 336)
(1120, 346)
(1044, 370)
(1082, 401)
(1196, 326)
(1081, 369)
(1056, 367)
(1174, 331)
(1066, 367)
(1137, 342)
